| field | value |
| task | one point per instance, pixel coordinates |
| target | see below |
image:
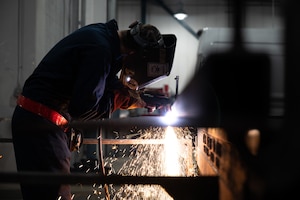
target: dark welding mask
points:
(153, 59)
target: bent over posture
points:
(77, 80)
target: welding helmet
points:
(152, 59)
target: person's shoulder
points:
(112, 24)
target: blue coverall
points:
(75, 78)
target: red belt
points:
(42, 110)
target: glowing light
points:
(170, 117)
(172, 165)
(128, 78)
(180, 16)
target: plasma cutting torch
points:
(157, 100)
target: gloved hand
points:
(156, 101)
(125, 98)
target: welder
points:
(79, 79)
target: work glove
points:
(125, 98)
(150, 99)
(156, 101)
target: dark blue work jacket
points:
(78, 75)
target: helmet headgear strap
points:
(135, 32)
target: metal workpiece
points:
(144, 122)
